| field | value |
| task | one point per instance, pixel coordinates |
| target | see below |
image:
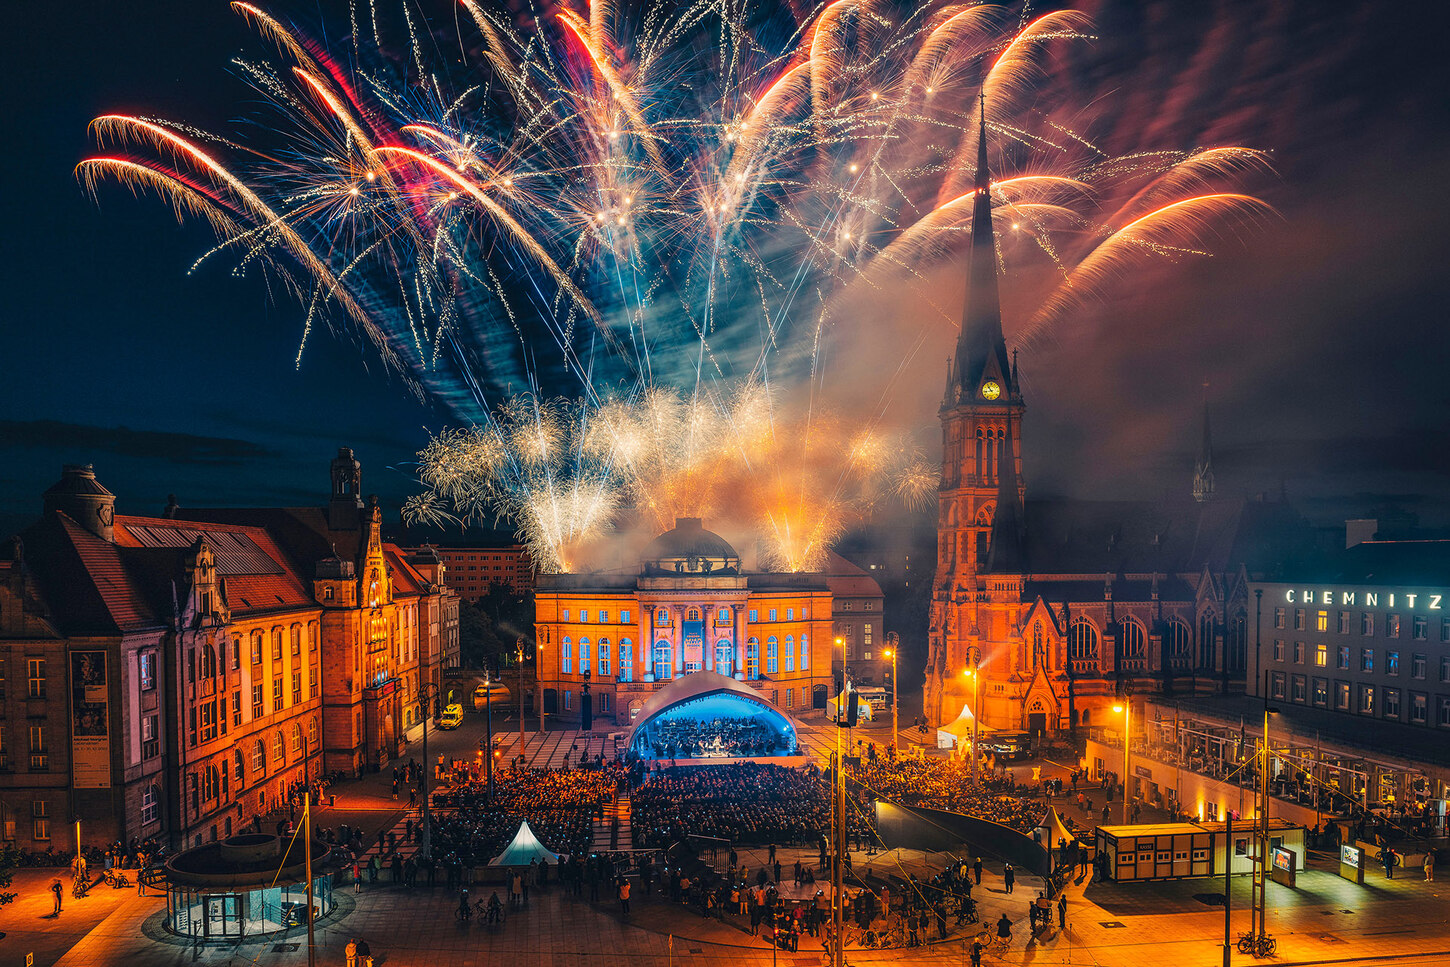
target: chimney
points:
(80, 497)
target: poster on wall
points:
(90, 721)
(693, 641)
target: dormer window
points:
(327, 594)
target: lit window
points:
(1366, 659)
(1343, 657)
(1392, 663)
(789, 655)
(1392, 626)
(1321, 655)
(772, 655)
(624, 617)
(583, 656)
(626, 660)
(566, 656)
(604, 617)
(1392, 702)
(36, 674)
(604, 657)
(1321, 621)
(1419, 705)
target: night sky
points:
(1322, 337)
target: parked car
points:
(452, 717)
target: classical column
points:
(678, 639)
(739, 643)
(709, 645)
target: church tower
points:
(979, 525)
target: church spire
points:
(1005, 552)
(1203, 468)
(981, 350)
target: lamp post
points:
(974, 674)
(427, 700)
(845, 663)
(895, 728)
(1258, 919)
(1126, 708)
(523, 736)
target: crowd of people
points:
(683, 737)
(560, 807)
(746, 802)
(947, 784)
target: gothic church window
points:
(1083, 643)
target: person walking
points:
(56, 889)
(350, 951)
(1009, 876)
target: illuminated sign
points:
(1423, 600)
(1351, 855)
(1282, 859)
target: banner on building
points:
(693, 643)
(90, 721)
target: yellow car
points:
(452, 717)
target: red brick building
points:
(184, 673)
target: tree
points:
(9, 859)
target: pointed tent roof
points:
(1056, 829)
(525, 847)
(981, 349)
(961, 726)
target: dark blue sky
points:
(1322, 339)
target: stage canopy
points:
(694, 704)
(524, 848)
(960, 730)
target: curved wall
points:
(917, 827)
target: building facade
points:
(858, 618)
(184, 674)
(1365, 634)
(1044, 611)
(608, 641)
(474, 570)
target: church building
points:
(1045, 612)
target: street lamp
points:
(845, 666)
(895, 731)
(427, 700)
(976, 679)
(1126, 708)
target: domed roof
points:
(690, 545)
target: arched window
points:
(296, 737)
(664, 660)
(603, 657)
(626, 660)
(1082, 645)
(566, 656)
(752, 658)
(789, 655)
(327, 593)
(256, 648)
(805, 654)
(583, 656)
(724, 657)
(1177, 645)
(279, 746)
(210, 784)
(772, 655)
(238, 770)
(150, 804)
(694, 615)
(208, 662)
(259, 756)
(1039, 649)
(312, 733)
(1205, 641)
(1235, 642)
(1134, 644)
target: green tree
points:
(9, 859)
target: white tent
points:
(525, 847)
(959, 730)
(1054, 828)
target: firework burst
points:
(674, 198)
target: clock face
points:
(990, 390)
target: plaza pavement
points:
(1325, 921)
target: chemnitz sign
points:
(1422, 600)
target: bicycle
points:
(1257, 945)
(116, 878)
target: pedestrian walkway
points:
(613, 832)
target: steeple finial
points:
(981, 351)
(1203, 468)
